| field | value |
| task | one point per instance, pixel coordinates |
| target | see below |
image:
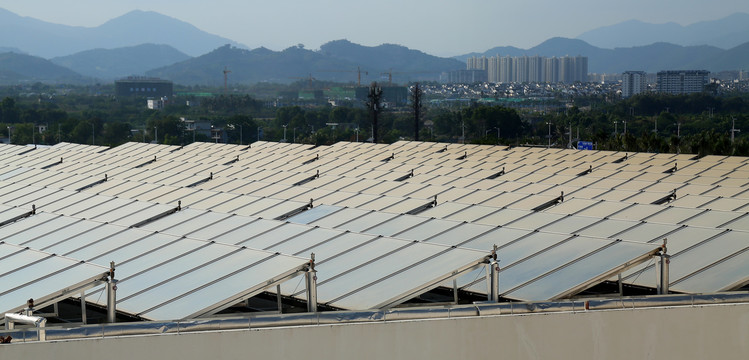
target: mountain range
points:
(725, 33)
(148, 43)
(48, 40)
(650, 58)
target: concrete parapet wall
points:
(699, 332)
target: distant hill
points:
(16, 68)
(336, 61)
(116, 63)
(402, 61)
(650, 58)
(49, 40)
(725, 33)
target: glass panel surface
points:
(369, 220)
(607, 228)
(179, 217)
(469, 213)
(380, 292)
(535, 220)
(101, 231)
(330, 289)
(712, 219)
(226, 288)
(595, 266)
(729, 275)
(682, 264)
(275, 236)
(305, 240)
(427, 230)
(637, 212)
(183, 275)
(32, 227)
(646, 232)
(460, 234)
(395, 225)
(502, 217)
(570, 224)
(121, 247)
(245, 232)
(314, 214)
(49, 284)
(335, 246)
(674, 215)
(220, 227)
(61, 234)
(542, 263)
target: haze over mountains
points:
(148, 43)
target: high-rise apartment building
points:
(682, 81)
(535, 68)
(633, 83)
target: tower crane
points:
(358, 71)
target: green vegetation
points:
(698, 124)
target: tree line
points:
(699, 124)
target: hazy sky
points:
(438, 27)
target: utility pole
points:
(226, 80)
(416, 103)
(374, 105)
(734, 130)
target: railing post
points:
(492, 277)
(111, 296)
(311, 277)
(662, 270)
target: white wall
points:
(708, 332)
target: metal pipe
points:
(39, 322)
(492, 281)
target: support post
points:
(492, 277)
(278, 299)
(455, 291)
(84, 319)
(111, 296)
(311, 277)
(662, 270)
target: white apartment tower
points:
(633, 83)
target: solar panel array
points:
(195, 229)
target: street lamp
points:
(294, 132)
(156, 134)
(93, 134)
(549, 136)
(284, 132)
(357, 134)
(240, 134)
(9, 128)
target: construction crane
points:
(226, 80)
(391, 72)
(310, 78)
(358, 71)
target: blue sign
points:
(584, 145)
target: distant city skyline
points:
(437, 27)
